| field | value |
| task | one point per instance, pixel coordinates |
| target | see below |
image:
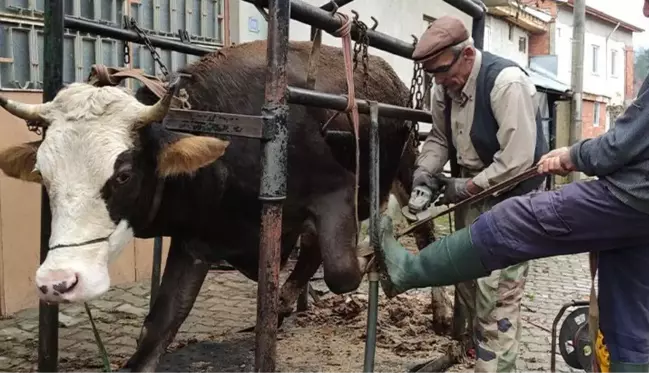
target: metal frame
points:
(273, 137)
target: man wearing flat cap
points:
(486, 124)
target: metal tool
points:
(419, 205)
(530, 173)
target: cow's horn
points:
(157, 112)
(22, 110)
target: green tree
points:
(641, 65)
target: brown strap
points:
(344, 32)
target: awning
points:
(545, 80)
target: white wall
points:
(604, 81)
(395, 19)
(497, 40)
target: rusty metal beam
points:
(273, 184)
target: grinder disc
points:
(570, 339)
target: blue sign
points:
(253, 25)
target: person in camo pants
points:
(486, 123)
(609, 216)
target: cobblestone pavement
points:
(226, 304)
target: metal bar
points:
(340, 3)
(470, 7)
(273, 184)
(48, 315)
(214, 123)
(308, 97)
(375, 241)
(155, 270)
(128, 35)
(322, 19)
(477, 30)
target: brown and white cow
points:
(106, 156)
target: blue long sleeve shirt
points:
(620, 156)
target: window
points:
(21, 36)
(613, 61)
(522, 44)
(596, 114)
(511, 32)
(595, 68)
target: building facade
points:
(608, 59)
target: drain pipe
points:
(606, 64)
(577, 79)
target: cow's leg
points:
(182, 279)
(336, 230)
(307, 264)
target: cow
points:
(113, 172)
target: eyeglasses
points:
(447, 67)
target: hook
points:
(335, 7)
(376, 23)
(355, 14)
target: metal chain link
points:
(417, 94)
(361, 47)
(147, 43)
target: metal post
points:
(375, 240)
(273, 184)
(155, 270)
(577, 80)
(477, 30)
(48, 315)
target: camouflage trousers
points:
(493, 304)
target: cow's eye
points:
(123, 177)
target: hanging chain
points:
(147, 43)
(361, 47)
(416, 93)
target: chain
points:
(361, 47)
(127, 53)
(147, 43)
(417, 94)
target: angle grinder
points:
(418, 207)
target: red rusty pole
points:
(273, 184)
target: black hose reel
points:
(574, 342)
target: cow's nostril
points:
(66, 286)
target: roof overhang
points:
(603, 16)
(525, 17)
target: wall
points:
(20, 228)
(590, 128)
(498, 41)
(604, 81)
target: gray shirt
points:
(620, 156)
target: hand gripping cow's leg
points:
(182, 279)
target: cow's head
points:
(89, 165)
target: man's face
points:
(645, 9)
(451, 69)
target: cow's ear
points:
(187, 154)
(19, 161)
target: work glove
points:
(456, 190)
(423, 177)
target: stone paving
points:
(226, 304)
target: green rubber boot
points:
(618, 367)
(447, 261)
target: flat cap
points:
(441, 34)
